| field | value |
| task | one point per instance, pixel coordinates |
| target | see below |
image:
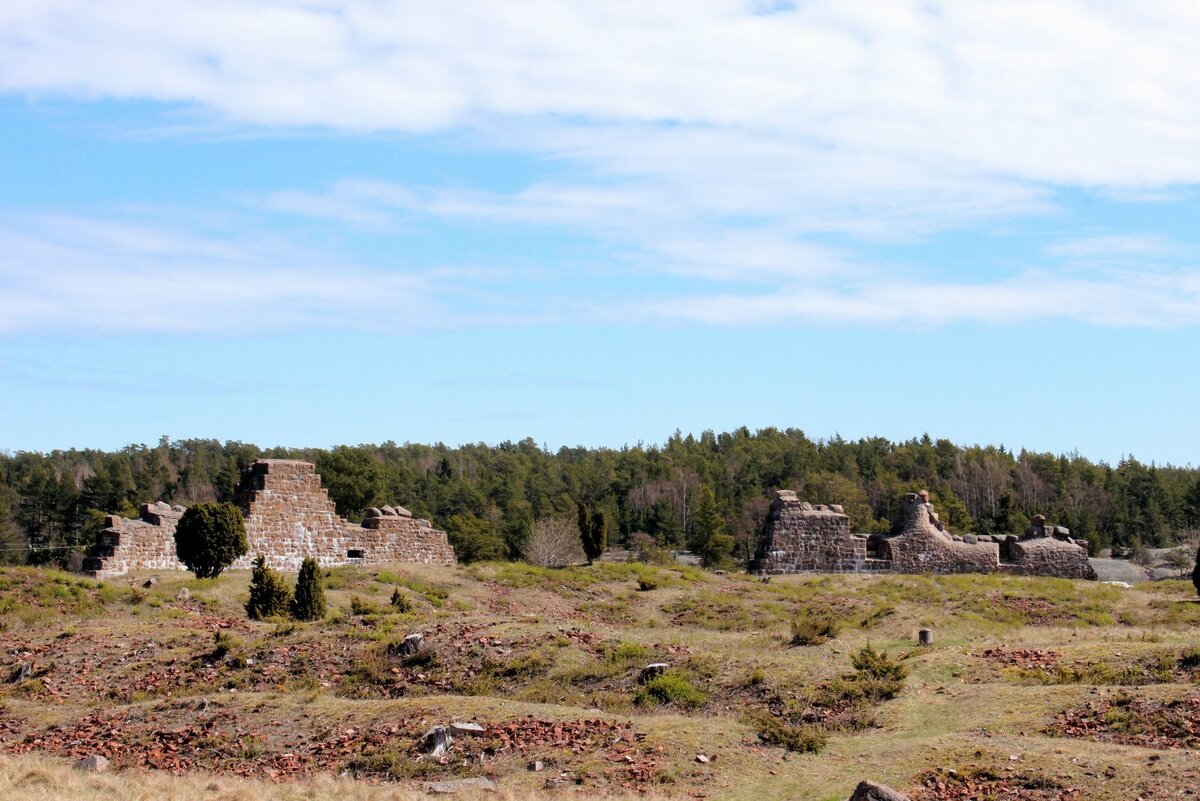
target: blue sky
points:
(324, 223)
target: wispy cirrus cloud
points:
(158, 381)
(106, 275)
(118, 275)
(697, 142)
(1123, 300)
(1145, 248)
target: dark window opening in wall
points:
(354, 553)
(1006, 552)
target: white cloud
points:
(139, 274)
(80, 274)
(708, 139)
(1115, 248)
(1065, 91)
(1123, 300)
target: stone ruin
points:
(800, 536)
(288, 516)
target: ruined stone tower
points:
(288, 516)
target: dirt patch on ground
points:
(184, 737)
(951, 785)
(1024, 658)
(1132, 720)
(1035, 611)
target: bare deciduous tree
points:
(1183, 556)
(553, 542)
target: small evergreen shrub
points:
(269, 593)
(803, 738)
(672, 687)
(878, 665)
(222, 645)
(360, 607)
(308, 602)
(400, 602)
(628, 653)
(209, 537)
(813, 628)
(755, 678)
(593, 531)
(1190, 659)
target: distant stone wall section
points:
(923, 546)
(801, 537)
(146, 542)
(1046, 550)
(288, 517)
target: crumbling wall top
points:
(788, 498)
(1040, 528)
(282, 466)
(385, 511)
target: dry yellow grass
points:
(956, 711)
(35, 778)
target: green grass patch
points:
(435, 594)
(672, 687)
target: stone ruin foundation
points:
(288, 516)
(799, 536)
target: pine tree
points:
(593, 531)
(710, 536)
(308, 603)
(269, 594)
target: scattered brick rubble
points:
(1131, 720)
(1025, 658)
(950, 785)
(223, 739)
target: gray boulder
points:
(92, 764)
(870, 791)
(474, 785)
(652, 671)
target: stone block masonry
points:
(802, 537)
(923, 546)
(288, 517)
(145, 543)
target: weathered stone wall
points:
(410, 538)
(288, 517)
(802, 537)
(923, 547)
(799, 536)
(147, 542)
(1046, 550)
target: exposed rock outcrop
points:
(870, 791)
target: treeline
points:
(488, 497)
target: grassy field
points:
(797, 688)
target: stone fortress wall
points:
(799, 536)
(288, 516)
